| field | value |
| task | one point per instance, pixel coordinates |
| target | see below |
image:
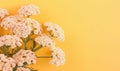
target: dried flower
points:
(22, 69)
(45, 41)
(3, 12)
(29, 10)
(21, 30)
(10, 40)
(58, 57)
(55, 30)
(24, 56)
(35, 25)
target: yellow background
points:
(92, 29)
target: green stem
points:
(28, 16)
(34, 45)
(7, 50)
(34, 70)
(15, 68)
(2, 48)
(25, 42)
(37, 48)
(13, 51)
(44, 56)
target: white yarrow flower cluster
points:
(3, 12)
(58, 57)
(35, 25)
(45, 41)
(21, 26)
(10, 40)
(55, 30)
(8, 22)
(21, 30)
(29, 10)
(6, 64)
(23, 69)
(24, 56)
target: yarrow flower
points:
(21, 30)
(8, 22)
(24, 56)
(35, 25)
(3, 12)
(55, 30)
(45, 41)
(11, 21)
(10, 40)
(29, 10)
(58, 57)
(23, 69)
(6, 64)
(24, 28)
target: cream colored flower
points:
(45, 41)
(2, 57)
(10, 40)
(24, 56)
(1, 43)
(35, 25)
(55, 30)
(2, 60)
(6, 64)
(10, 21)
(22, 69)
(29, 10)
(9, 64)
(21, 30)
(3, 12)
(58, 57)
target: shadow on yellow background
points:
(92, 29)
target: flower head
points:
(3, 12)
(10, 21)
(29, 10)
(55, 30)
(58, 57)
(10, 40)
(21, 30)
(45, 41)
(22, 69)
(35, 25)
(6, 64)
(24, 56)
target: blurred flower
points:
(10, 40)
(55, 30)
(45, 41)
(29, 10)
(24, 56)
(3, 12)
(22, 69)
(58, 57)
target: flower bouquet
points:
(15, 55)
